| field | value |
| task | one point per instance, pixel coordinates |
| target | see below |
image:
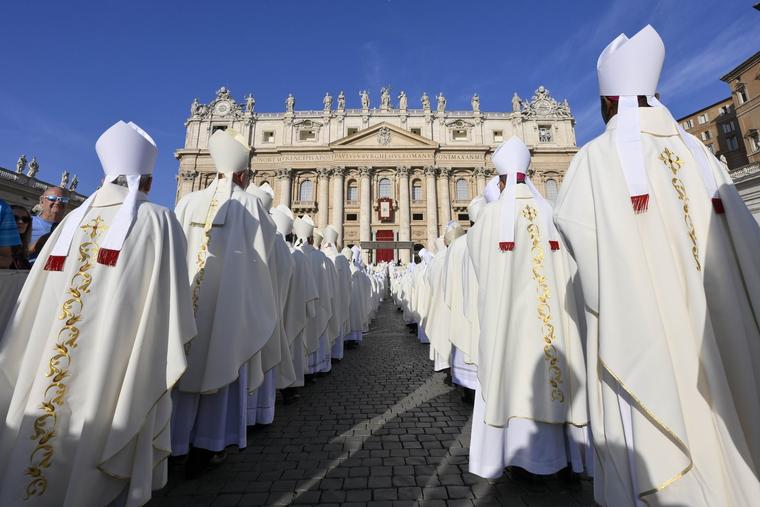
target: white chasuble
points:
(300, 308)
(229, 245)
(358, 307)
(317, 325)
(438, 323)
(672, 301)
(87, 363)
(530, 359)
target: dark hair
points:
(26, 238)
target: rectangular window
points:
(733, 143)
(353, 193)
(544, 133)
(498, 136)
(417, 131)
(688, 124)
(463, 217)
(741, 95)
(459, 134)
(218, 127)
(727, 127)
(702, 118)
(307, 135)
(755, 142)
(418, 217)
(267, 137)
(711, 148)
(351, 131)
(706, 135)
(352, 217)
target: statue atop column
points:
(341, 101)
(327, 102)
(365, 99)
(21, 164)
(74, 183)
(441, 103)
(290, 103)
(195, 107)
(250, 103)
(385, 99)
(64, 179)
(425, 102)
(402, 100)
(34, 168)
(475, 103)
(516, 103)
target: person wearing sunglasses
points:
(8, 235)
(24, 225)
(53, 204)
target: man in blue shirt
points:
(53, 203)
(8, 234)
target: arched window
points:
(306, 192)
(263, 182)
(384, 187)
(463, 190)
(353, 191)
(550, 189)
(416, 190)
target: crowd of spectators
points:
(22, 235)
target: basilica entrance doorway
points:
(384, 254)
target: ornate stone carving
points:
(64, 179)
(74, 183)
(223, 106)
(365, 171)
(327, 102)
(444, 172)
(402, 100)
(323, 172)
(475, 103)
(188, 175)
(364, 95)
(341, 101)
(479, 172)
(425, 102)
(516, 103)
(250, 103)
(384, 136)
(21, 164)
(283, 174)
(543, 105)
(338, 171)
(385, 99)
(34, 168)
(430, 170)
(403, 170)
(441, 103)
(290, 103)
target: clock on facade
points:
(222, 108)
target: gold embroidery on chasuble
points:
(673, 162)
(551, 355)
(200, 257)
(59, 364)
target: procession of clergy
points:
(617, 334)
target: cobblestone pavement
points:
(382, 429)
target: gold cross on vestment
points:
(529, 213)
(671, 160)
(94, 227)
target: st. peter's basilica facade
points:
(383, 173)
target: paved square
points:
(382, 429)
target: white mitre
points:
(476, 207)
(231, 154)
(318, 237)
(331, 235)
(491, 192)
(512, 160)
(303, 228)
(626, 69)
(347, 253)
(452, 232)
(124, 150)
(283, 219)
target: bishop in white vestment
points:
(667, 254)
(96, 344)
(342, 299)
(229, 243)
(530, 358)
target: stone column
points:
(337, 218)
(323, 184)
(432, 205)
(365, 210)
(443, 183)
(405, 229)
(480, 179)
(284, 176)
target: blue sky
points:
(71, 69)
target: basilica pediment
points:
(384, 136)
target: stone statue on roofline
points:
(34, 168)
(21, 164)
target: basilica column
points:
(432, 205)
(365, 210)
(480, 179)
(337, 218)
(404, 230)
(443, 183)
(284, 176)
(323, 183)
